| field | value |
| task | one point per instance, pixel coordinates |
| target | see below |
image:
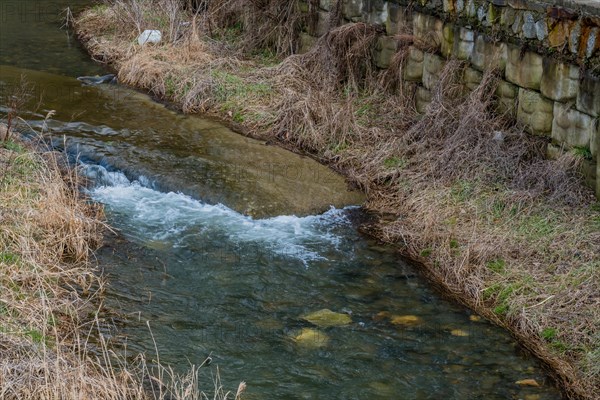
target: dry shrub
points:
(146, 71)
(301, 119)
(307, 111)
(559, 180)
(392, 79)
(198, 98)
(460, 137)
(75, 225)
(340, 59)
(273, 24)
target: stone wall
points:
(547, 53)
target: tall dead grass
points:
(52, 343)
(265, 24)
(504, 230)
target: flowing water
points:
(211, 254)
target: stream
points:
(224, 243)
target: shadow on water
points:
(211, 252)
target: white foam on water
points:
(171, 216)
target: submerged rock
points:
(405, 320)
(459, 332)
(309, 337)
(325, 318)
(380, 316)
(528, 382)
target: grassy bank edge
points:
(237, 88)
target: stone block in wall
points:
(377, 12)
(592, 43)
(326, 4)
(517, 26)
(507, 17)
(432, 67)
(487, 13)
(560, 81)
(463, 47)
(541, 29)
(352, 9)
(493, 14)
(558, 35)
(595, 140)
(535, 112)
(399, 19)
(588, 97)
(524, 70)
(472, 78)
(574, 36)
(527, 5)
(530, 25)
(482, 14)
(385, 49)
(413, 69)
(507, 98)
(488, 55)
(423, 99)
(470, 8)
(306, 42)
(449, 6)
(448, 35)
(528, 28)
(428, 29)
(571, 127)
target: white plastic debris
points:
(499, 136)
(149, 36)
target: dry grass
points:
(267, 24)
(509, 233)
(52, 343)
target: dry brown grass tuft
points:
(340, 59)
(272, 24)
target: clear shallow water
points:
(213, 281)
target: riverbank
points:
(54, 341)
(48, 290)
(465, 192)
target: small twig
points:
(541, 302)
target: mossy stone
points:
(326, 318)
